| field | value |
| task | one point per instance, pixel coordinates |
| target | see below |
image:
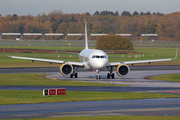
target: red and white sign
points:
(59, 91)
(52, 91)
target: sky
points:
(34, 7)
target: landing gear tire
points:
(112, 76)
(75, 75)
(71, 76)
(108, 76)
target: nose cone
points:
(99, 64)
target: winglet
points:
(4, 51)
(176, 53)
(86, 40)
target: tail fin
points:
(86, 40)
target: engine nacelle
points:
(66, 69)
(122, 70)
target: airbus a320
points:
(92, 59)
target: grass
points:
(91, 42)
(160, 43)
(39, 79)
(49, 42)
(167, 77)
(110, 118)
(28, 97)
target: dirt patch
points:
(127, 52)
(16, 50)
(148, 77)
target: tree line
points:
(166, 25)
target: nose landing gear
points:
(98, 76)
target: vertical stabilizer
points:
(86, 40)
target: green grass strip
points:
(27, 97)
(167, 77)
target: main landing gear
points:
(110, 74)
(74, 72)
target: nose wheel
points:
(98, 76)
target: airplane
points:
(93, 59)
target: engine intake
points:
(122, 70)
(66, 69)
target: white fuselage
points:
(93, 59)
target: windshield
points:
(98, 56)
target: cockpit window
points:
(97, 56)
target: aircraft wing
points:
(80, 64)
(141, 61)
(138, 61)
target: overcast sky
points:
(34, 7)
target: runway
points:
(146, 107)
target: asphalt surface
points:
(148, 107)
(56, 69)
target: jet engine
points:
(122, 70)
(66, 69)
